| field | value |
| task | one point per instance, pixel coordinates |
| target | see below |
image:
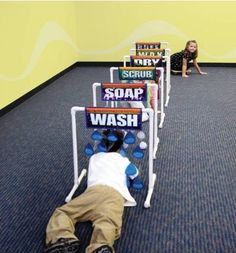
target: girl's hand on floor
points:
(184, 75)
(203, 73)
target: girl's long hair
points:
(188, 43)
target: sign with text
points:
(124, 92)
(147, 45)
(137, 73)
(150, 52)
(147, 61)
(122, 118)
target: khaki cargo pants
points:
(100, 204)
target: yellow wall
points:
(40, 39)
(112, 27)
(37, 42)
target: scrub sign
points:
(124, 92)
(137, 73)
(124, 118)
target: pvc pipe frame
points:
(112, 69)
(167, 79)
(77, 179)
(155, 122)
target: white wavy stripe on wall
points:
(148, 29)
(51, 32)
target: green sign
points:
(137, 73)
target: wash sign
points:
(124, 92)
(150, 52)
(145, 61)
(123, 118)
(147, 45)
(137, 73)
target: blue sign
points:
(114, 118)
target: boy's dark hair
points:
(113, 146)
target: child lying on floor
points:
(102, 203)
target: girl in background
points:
(180, 60)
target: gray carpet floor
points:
(193, 209)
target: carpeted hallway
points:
(194, 201)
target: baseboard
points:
(216, 64)
(35, 90)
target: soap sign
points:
(123, 118)
(137, 73)
(124, 92)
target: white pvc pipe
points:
(75, 152)
(82, 174)
(151, 175)
(150, 191)
(95, 85)
(155, 121)
(162, 102)
(111, 73)
(167, 78)
(74, 140)
(126, 58)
